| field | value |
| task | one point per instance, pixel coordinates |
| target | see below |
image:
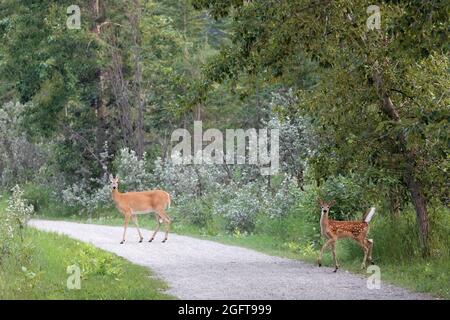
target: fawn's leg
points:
(319, 260)
(370, 246)
(362, 243)
(333, 250)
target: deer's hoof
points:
(335, 270)
(141, 240)
(164, 240)
(320, 264)
(150, 240)
(121, 242)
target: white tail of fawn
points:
(333, 230)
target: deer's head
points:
(114, 182)
(325, 206)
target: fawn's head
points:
(325, 206)
(114, 182)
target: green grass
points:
(39, 271)
(286, 238)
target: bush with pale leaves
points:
(13, 220)
(132, 172)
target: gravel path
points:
(200, 269)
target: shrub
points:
(279, 203)
(19, 157)
(18, 211)
(79, 196)
(13, 222)
(307, 203)
(38, 196)
(348, 192)
(240, 211)
(197, 212)
(187, 182)
(131, 171)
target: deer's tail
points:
(369, 215)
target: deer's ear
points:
(111, 177)
(319, 202)
(332, 202)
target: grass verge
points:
(38, 270)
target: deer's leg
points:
(370, 246)
(333, 250)
(158, 224)
(167, 221)
(127, 219)
(364, 263)
(319, 260)
(161, 213)
(135, 220)
(362, 243)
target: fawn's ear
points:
(111, 177)
(332, 202)
(319, 202)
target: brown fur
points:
(332, 230)
(130, 204)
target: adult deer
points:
(130, 204)
(333, 230)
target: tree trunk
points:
(119, 88)
(10, 156)
(134, 19)
(99, 13)
(395, 202)
(300, 180)
(198, 112)
(420, 205)
(414, 185)
(185, 25)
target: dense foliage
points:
(362, 114)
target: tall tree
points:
(134, 18)
(98, 8)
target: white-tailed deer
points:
(130, 204)
(333, 230)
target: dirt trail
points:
(200, 269)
